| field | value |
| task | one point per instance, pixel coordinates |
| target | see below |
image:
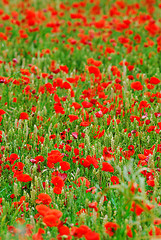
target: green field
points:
(80, 120)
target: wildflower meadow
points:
(80, 119)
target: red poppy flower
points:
(2, 112)
(129, 231)
(87, 104)
(58, 108)
(44, 75)
(137, 38)
(39, 159)
(65, 166)
(130, 67)
(93, 205)
(41, 89)
(109, 50)
(85, 124)
(73, 80)
(94, 70)
(12, 230)
(66, 85)
(99, 114)
(142, 156)
(24, 116)
(57, 190)
(38, 235)
(53, 136)
(115, 180)
(79, 232)
(137, 209)
(144, 104)
(151, 183)
(24, 178)
(88, 161)
(93, 62)
(159, 148)
(63, 230)
(44, 199)
(13, 157)
(157, 221)
(107, 167)
(51, 220)
(43, 209)
(57, 181)
(54, 157)
(18, 167)
(136, 86)
(150, 86)
(76, 105)
(111, 228)
(154, 80)
(73, 117)
(156, 232)
(34, 69)
(92, 235)
(107, 154)
(64, 68)
(12, 196)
